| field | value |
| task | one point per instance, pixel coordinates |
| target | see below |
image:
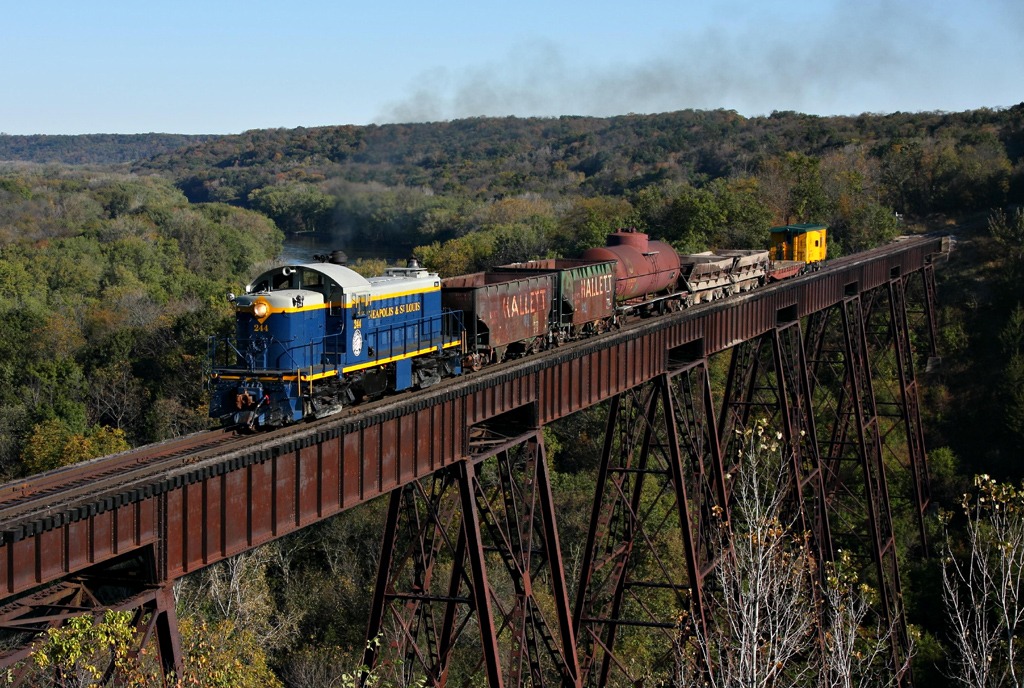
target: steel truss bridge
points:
(470, 554)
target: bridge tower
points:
(471, 554)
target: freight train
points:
(313, 338)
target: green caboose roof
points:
(798, 229)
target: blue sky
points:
(225, 66)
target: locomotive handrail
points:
(289, 351)
(429, 332)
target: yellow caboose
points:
(799, 242)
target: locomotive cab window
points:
(312, 280)
(316, 281)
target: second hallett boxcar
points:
(584, 292)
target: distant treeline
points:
(91, 149)
(487, 158)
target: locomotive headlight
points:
(260, 309)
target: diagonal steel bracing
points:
(470, 576)
(660, 488)
(769, 384)
(129, 589)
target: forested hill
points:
(495, 157)
(91, 149)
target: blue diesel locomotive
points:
(313, 338)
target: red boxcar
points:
(504, 314)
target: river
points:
(300, 248)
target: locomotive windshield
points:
(294, 278)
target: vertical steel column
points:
(155, 616)
(654, 478)
(930, 304)
(703, 495)
(875, 485)
(164, 622)
(553, 553)
(502, 507)
(468, 485)
(909, 407)
(382, 583)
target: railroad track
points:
(67, 494)
(61, 487)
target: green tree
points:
(221, 655)
(793, 188)
(1011, 385)
(867, 226)
(747, 218)
(516, 244)
(1008, 232)
(294, 207)
(52, 444)
(694, 217)
(460, 256)
(81, 651)
(587, 222)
